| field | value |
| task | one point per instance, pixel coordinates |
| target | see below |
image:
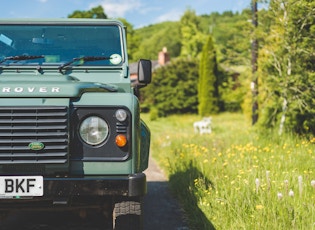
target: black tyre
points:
(127, 215)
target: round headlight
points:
(93, 130)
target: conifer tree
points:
(208, 93)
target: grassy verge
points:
(235, 178)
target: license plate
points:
(11, 186)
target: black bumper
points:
(131, 185)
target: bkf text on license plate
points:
(21, 186)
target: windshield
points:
(59, 44)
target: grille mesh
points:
(20, 126)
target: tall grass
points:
(236, 178)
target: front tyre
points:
(127, 214)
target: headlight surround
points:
(93, 130)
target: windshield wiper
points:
(21, 58)
(84, 59)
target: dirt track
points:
(161, 211)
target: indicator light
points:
(121, 140)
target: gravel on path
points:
(161, 209)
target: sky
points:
(137, 12)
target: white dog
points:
(203, 126)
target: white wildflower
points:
(280, 196)
(291, 193)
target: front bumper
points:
(131, 185)
(86, 191)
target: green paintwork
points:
(50, 89)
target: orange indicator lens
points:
(121, 140)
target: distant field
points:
(236, 178)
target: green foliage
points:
(96, 12)
(208, 94)
(173, 89)
(153, 38)
(154, 114)
(231, 34)
(233, 88)
(192, 40)
(287, 67)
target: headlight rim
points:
(98, 143)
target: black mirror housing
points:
(144, 71)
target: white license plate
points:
(11, 186)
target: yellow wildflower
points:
(259, 207)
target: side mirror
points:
(144, 72)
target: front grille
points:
(20, 126)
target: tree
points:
(208, 93)
(96, 12)
(173, 89)
(288, 67)
(192, 37)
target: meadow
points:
(236, 177)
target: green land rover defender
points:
(70, 129)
